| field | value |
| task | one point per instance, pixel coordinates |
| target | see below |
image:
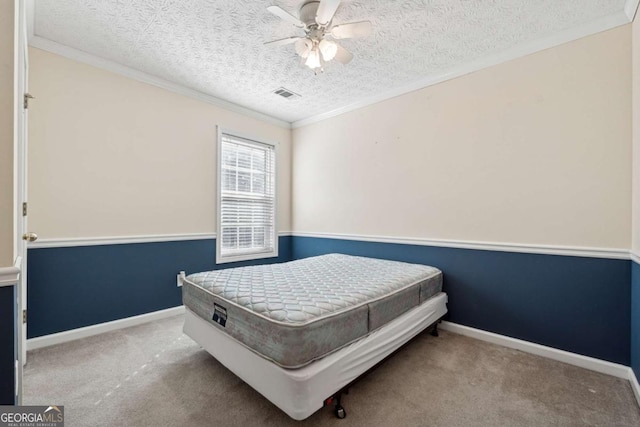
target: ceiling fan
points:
(317, 46)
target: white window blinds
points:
(246, 211)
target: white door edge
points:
(20, 179)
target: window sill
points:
(245, 257)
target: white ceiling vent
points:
(286, 93)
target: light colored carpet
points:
(153, 375)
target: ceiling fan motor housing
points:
(308, 10)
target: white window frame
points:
(253, 255)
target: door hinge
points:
(24, 209)
(27, 97)
(24, 316)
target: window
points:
(246, 199)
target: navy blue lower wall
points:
(575, 304)
(635, 318)
(73, 287)
(7, 345)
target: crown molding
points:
(610, 253)
(588, 29)
(602, 24)
(123, 70)
(630, 9)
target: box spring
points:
(300, 392)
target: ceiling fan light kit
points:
(328, 49)
(316, 47)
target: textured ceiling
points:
(216, 46)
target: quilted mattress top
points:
(299, 292)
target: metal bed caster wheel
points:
(340, 412)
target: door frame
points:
(20, 183)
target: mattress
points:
(296, 312)
(301, 392)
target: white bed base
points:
(301, 392)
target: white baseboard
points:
(635, 386)
(590, 363)
(88, 331)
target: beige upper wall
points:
(534, 151)
(6, 132)
(111, 156)
(636, 135)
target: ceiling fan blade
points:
(352, 30)
(282, 42)
(285, 16)
(326, 10)
(343, 55)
